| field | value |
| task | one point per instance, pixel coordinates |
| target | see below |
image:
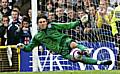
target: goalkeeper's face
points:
(42, 23)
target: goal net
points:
(98, 38)
(9, 59)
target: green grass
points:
(69, 72)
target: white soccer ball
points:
(74, 54)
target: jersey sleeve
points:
(64, 26)
(34, 42)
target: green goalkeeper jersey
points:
(52, 38)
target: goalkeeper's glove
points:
(87, 52)
(20, 45)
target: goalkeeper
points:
(60, 43)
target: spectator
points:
(72, 16)
(17, 8)
(91, 29)
(3, 30)
(83, 16)
(29, 15)
(60, 15)
(51, 17)
(92, 16)
(102, 16)
(115, 24)
(49, 7)
(103, 21)
(42, 5)
(109, 9)
(87, 4)
(14, 29)
(25, 33)
(80, 4)
(5, 9)
(59, 3)
(23, 4)
(70, 3)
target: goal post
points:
(35, 58)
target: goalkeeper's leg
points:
(76, 56)
(88, 60)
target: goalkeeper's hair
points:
(42, 15)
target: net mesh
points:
(5, 63)
(87, 33)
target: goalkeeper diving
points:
(50, 36)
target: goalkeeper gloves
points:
(20, 45)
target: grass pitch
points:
(69, 72)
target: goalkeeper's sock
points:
(87, 60)
(106, 62)
(81, 47)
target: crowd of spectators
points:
(95, 17)
(14, 27)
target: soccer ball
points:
(75, 53)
